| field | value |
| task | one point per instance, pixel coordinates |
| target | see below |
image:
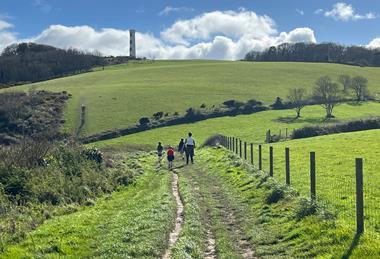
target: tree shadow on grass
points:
(353, 245)
(290, 120)
(355, 103)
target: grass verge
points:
(134, 222)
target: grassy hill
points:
(251, 128)
(119, 95)
(335, 163)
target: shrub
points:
(280, 105)
(213, 140)
(144, 121)
(350, 126)
(158, 115)
(93, 154)
(277, 193)
(233, 103)
(203, 105)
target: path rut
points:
(179, 217)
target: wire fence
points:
(352, 194)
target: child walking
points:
(181, 148)
(160, 149)
(170, 156)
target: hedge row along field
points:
(119, 96)
(251, 128)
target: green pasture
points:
(251, 128)
(335, 170)
(118, 96)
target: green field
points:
(252, 127)
(224, 200)
(119, 95)
(335, 164)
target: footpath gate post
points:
(240, 149)
(359, 197)
(245, 150)
(271, 161)
(260, 158)
(251, 153)
(287, 165)
(313, 191)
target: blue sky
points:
(347, 22)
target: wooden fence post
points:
(236, 146)
(252, 153)
(233, 144)
(260, 158)
(313, 191)
(359, 197)
(287, 165)
(286, 134)
(240, 149)
(271, 161)
(245, 150)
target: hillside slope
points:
(251, 128)
(119, 95)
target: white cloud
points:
(170, 9)
(374, 44)
(346, 12)
(318, 11)
(215, 35)
(300, 12)
(5, 25)
(228, 23)
(6, 38)
(43, 5)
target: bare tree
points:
(297, 97)
(359, 85)
(345, 80)
(327, 94)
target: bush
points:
(233, 103)
(93, 154)
(276, 194)
(350, 126)
(309, 207)
(280, 105)
(144, 121)
(203, 105)
(158, 115)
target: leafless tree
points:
(345, 80)
(359, 86)
(297, 97)
(326, 92)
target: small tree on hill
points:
(297, 98)
(144, 121)
(345, 80)
(327, 94)
(359, 85)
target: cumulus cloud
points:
(374, 44)
(215, 35)
(346, 12)
(228, 23)
(6, 37)
(300, 12)
(170, 9)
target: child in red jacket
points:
(170, 156)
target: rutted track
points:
(179, 218)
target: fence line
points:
(236, 145)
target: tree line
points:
(30, 62)
(323, 52)
(328, 93)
